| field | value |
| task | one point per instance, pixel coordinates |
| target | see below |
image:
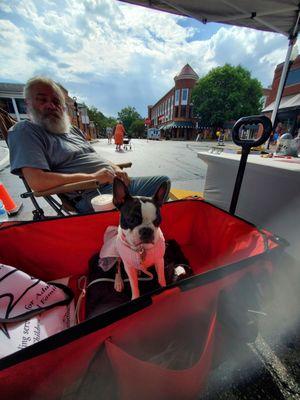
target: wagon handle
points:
(241, 136)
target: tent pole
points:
(282, 80)
(285, 69)
(292, 41)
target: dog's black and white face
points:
(140, 216)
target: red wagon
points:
(116, 350)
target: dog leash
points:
(112, 280)
(140, 250)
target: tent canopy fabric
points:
(267, 15)
(287, 102)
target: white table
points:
(269, 196)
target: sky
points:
(112, 55)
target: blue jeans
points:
(139, 186)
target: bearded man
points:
(49, 152)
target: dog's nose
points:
(146, 234)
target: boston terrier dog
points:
(140, 242)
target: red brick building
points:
(289, 108)
(173, 113)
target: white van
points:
(153, 133)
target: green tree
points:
(226, 93)
(128, 115)
(100, 120)
(137, 128)
(111, 121)
(97, 117)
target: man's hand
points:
(121, 175)
(104, 175)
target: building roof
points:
(11, 88)
(286, 102)
(187, 72)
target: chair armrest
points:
(69, 187)
(124, 165)
(72, 187)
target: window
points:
(184, 96)
(177, 92)
(293, 77)
(7, 105)
(169, 108)
(21, 106)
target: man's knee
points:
(167, 180)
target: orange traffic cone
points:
(11, 207)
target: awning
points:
(181, 124)
(164, 127)
(267, 15)
(287, 102)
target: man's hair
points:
(43, 80)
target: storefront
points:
(179, 130)
(288, 115)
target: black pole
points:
(76, 111)
(239, 180)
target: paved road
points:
(178, 160)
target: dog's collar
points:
(140, 249)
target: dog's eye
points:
(134, 221)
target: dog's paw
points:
(162, 282)
(119, 283)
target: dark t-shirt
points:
(32, 146)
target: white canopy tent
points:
(281, 16)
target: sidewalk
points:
(4, 155)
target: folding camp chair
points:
(64, 205)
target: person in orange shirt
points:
(119, 135)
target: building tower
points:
(183, 108)
(172, 114)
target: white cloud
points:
(5, 8)
(132, 52)
(15, 58)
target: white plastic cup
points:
(103, 202)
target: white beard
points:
(52, 124)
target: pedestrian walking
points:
(109, 134)
(119, 135)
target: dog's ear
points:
(160, 194)
(120, 193)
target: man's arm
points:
(40, 180)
